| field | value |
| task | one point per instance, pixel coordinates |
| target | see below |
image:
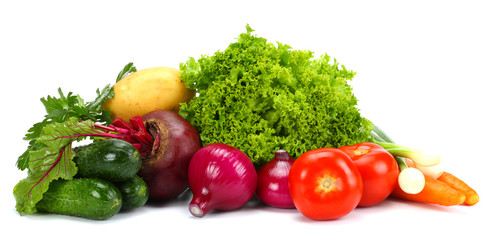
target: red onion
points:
(272, 188)
(221, 177)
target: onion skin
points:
(273, 186)
(166, 170)
(221, 177)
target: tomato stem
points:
(359, 152)
(326, 183)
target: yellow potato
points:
(146, 90)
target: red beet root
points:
(165, 170)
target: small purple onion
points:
(273, 188)
(221, 177)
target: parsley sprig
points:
(60, 109)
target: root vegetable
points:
(221, 177)
(411, 181)
(272, 184)
(147, 90)
(471, 196)
(165, 170)
(434, 191)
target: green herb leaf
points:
(129, 68)
(60, 109)
(94, 108)
(261, 97)
(51, 160)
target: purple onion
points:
(221, 177)
(273, 188)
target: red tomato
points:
(325, 184)
(378, 169)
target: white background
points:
(424, 75)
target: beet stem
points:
(112, 128)
(134, 133)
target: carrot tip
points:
(472, 200)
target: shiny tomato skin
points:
(325, 184)
(378, 170)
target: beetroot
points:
(165, 169)
(166, 142)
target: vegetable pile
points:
(256, 119)
(163, 141)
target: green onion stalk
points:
(411, 180)
(420, 157)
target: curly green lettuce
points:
(260, 97)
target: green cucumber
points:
(112, 159)
(134, 193)
(91, 198)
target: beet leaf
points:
(53, 160)
(68, 118)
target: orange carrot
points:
(435, 192)
(409, 162)
(471, 196)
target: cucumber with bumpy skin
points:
(134, 193)
(91, 198)
(113, 159)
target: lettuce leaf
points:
(260, 97)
